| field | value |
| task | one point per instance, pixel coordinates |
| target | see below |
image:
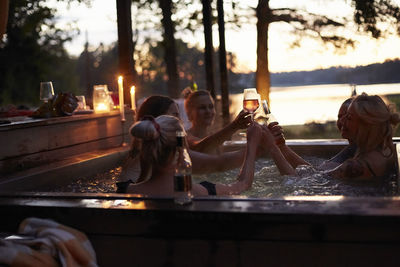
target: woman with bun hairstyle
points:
(157, 150)
(369, 124)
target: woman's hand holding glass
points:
(251, 101)
(242, 120)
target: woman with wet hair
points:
(369, 123)
(200, 109)
(157, 150)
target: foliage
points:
(102, 64)
(370, 15)
(186, 18)
(98, 66)
(33, 51)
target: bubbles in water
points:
(268, 182)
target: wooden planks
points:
(32, 143)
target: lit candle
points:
(133, 104)
(121, 98)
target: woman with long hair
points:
(369, 124)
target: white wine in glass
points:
(250, 101)
(46, 91)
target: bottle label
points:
(182, 183)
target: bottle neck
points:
(179, 141)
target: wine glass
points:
(250, 101)
(46, 91)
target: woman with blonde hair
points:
(200, 109)
(157, 150)
(369, 123)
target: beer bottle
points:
(183, 172)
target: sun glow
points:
(99, 20)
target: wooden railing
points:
(32, 143)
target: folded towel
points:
(50, 244)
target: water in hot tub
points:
(268, 183)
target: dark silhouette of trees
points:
(368, 15)
(222, 63)
(103, 64)
(33, 51)
(125, 47)
(170, 48)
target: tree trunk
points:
(222, 63)
(87, 76)
(209, 50)
(262, 74)
(125, 48)
(3, 17)
(170, 49)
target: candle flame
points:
(120, 79)
(132, 89)
(101, 107)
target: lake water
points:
(296, 105)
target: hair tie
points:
(151, 118)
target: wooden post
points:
(208, 55)
(125, 47)
(222, 63)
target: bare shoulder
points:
(365, 167)
(350, 169)
(377, 162)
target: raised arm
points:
(292, 157)
(246, 175)
(215, 140)
(269, 143)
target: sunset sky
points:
(100, 23)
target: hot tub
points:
(212, 231)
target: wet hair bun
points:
(145, 130)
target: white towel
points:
(49, 244)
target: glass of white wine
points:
(250, 101)
(46, 91)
